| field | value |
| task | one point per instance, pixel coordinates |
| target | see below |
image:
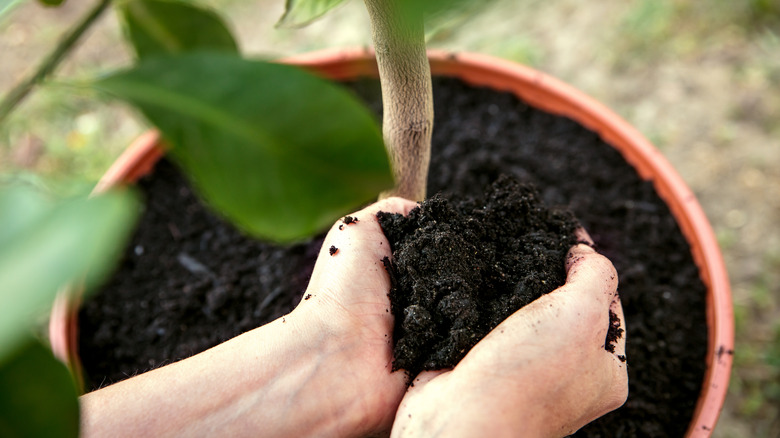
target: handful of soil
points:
(461, 267)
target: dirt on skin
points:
(480, 134)
(461, 267)
(190, 281)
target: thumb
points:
(592, 274)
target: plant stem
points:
(407, 96)
(22, 89)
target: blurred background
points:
(699, 78)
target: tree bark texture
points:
(407, 96)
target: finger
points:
(392, 205)
(363, 225)
(590, 274)
(359, 229)
(351, 255)
(577, 253)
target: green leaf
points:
(441, 16)
(45, 245)
(18, 207)
(51, 2)
(38, 398)
(157, 27)
(299, 13)
(278, 150)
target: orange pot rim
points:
(554, 96)
(551, 95)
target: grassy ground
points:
(700, 78)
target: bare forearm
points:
(272, 381)
(323, 370)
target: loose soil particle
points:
(614, 332)
(160, 307)
(460, 268)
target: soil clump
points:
(190, 281)
(461, 267)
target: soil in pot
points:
(460, 268)
(189, 281)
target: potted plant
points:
(540, 91)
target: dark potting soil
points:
(189, 281)
(460, 268)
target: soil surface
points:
(460, 268)
(189, 281)
(699, 79)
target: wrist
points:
(307, 387)
(354, 374)
(465, 405)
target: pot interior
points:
(551, 96)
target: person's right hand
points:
(543, 372)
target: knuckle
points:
(391, 201)
(395, 204)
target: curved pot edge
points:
(557, 97)
(650, 164)
(551, 95)
(136, 161)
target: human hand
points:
(347, 304)
(325, 369)
(542, 372)
(322, 370)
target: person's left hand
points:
(542, 372)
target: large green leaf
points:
(37, 395)
(19, 206)
(46, 245)
(278, 150)
(299, 13)
(170, 26)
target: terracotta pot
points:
(545, 93)
(136, 161)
